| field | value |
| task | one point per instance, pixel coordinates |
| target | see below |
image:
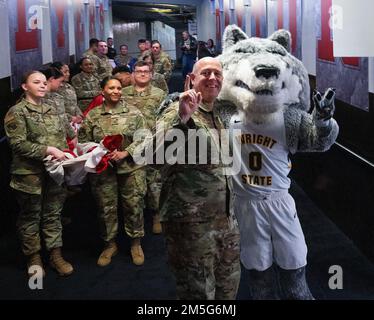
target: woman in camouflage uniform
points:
(68, 92)
(53, 99)
(124, 179)
(36, 130)
(86, 85)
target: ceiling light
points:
(158, 10)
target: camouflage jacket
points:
(70, 98)
(86, 86)
(104, 68)
(95, 60)
(143, 54)
(121, 60)
(124, 119)
(195, 192)
(158, 81)
(147, 102)
(163, 65)
(56, 101)
(31, 129)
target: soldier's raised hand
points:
(187, 83)
(324, 105)
(188, 103)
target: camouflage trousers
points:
(40, 213)
(204, 257)
(111, 189)
(153, 189)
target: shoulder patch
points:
(10, 122)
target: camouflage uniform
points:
(158, 81)
(124, 179)
(143, 54)
(104, 68)
(55, 101)
(70, 98)
(31, 129)
(86, 86)
(122, 60)
(148, 102)
(163, 65)
(95, 60)
(196, 210)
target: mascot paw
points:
(324, 105)
(170, 98)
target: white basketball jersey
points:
(263, 153)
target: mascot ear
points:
(232, 35)
(283, 37)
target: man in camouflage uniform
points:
(92, 53)
(158, 80)
(31, 130)
(104, 68)
(86, 84)
(201, 234)
(97, 55)
(147, 99)
(162, 61)
(124, 179)
(92, 50)
(123, 59)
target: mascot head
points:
(261, 77)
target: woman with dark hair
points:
(55, 79)
(68, 92)
(211, 47)
(36, 130)
(86, 85)
(123, 183)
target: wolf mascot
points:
(270, 88)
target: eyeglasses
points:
(142, 72)
(207, 73)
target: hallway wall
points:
(128, 33)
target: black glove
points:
(324, 105)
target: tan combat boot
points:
(156, 229)
(58, 263)
(34, 260)
(137, 252)
(109, 251)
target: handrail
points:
(355, 154)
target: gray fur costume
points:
(261, 79)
